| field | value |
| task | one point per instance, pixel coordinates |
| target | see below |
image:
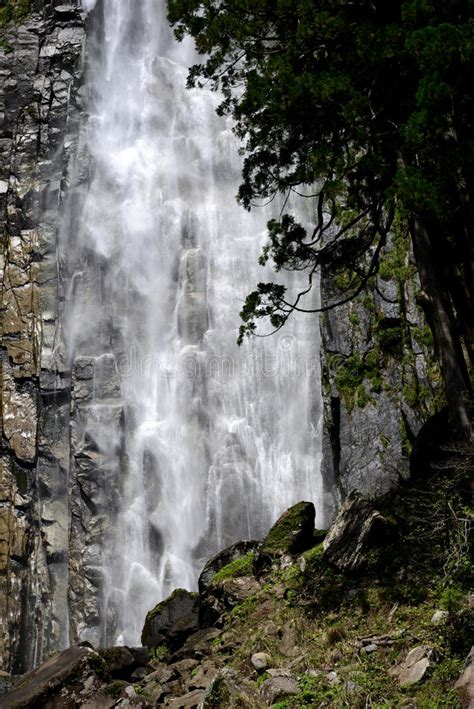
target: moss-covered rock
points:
(292, 533)
(172, 621)
(229, 561)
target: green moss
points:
(98, 665)
(281, 537)
(239, 567)
(351, 375)
(116, 688)
(14, 11)
(160, 652)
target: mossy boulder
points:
(230, 562)
(172, 621)
(292, 533)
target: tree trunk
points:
(436, 303)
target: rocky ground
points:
(375, 613)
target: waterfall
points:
(194, 442)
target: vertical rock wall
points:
(40, 64)
(380, 381)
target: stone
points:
(184, 667)
(228, 689)
(224, 596)
(292, 533)
(203, 677)
(439, 617)
(172, 621)
(276, 688)
(358, 528)
(161, 675)
(414, 667)
(288, 640)
(465, 683)
(51, 676)
(119, 661)
(192, 700)
(223, 558)
(371, 647)
(260, 661)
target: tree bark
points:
(436, 303)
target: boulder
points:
(225, 557)
(465, 684)
(119, 661)
(414, 667)
(358, 528)
(292, 533)
(192, 700)
(53, 676)
(172, 621)
(224, 596)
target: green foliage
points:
(14, 11)
(451, 599)
(115, 689)
(352, 373)
(239, 567)
(159, 653)
(367, 109)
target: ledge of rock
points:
(53, 674)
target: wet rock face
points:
(39, 110)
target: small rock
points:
(276, 688)
(369, 648)
(203, 677)
(439, 617)
(260, 660)
(286, 562)
(288, 641)
(350, 687)
(414, 667)
(465, 684)
(161, 675)
(192, 700)
(332, 677)
(184, 667)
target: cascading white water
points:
(218, 440)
